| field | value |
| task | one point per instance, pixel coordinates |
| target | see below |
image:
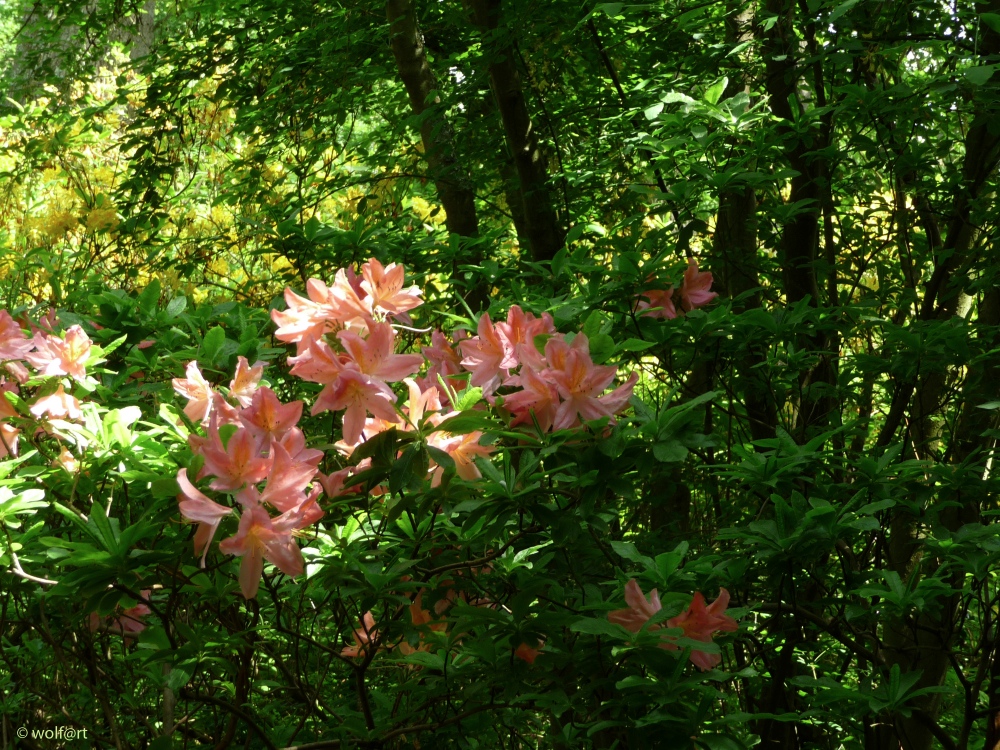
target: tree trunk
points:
(799, 244)
(734, 246)
(453, 184)
(544, 233)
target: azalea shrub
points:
(370, 531)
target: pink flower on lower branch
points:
(61, 356)
(527, 653)
(660, 304)
(196, 506)
(258, 539)
(360, 395)
(364, 637)
(58, 405)
(696, 288)
(128, 624)
(463, 450)
(699, 622)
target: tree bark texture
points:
(545, 236)
(454, 185)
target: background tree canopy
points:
(817, 440)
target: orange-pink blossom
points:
(699, 622)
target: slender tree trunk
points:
(734, 246)
(544, 233)
(799, 244)
(453, 184)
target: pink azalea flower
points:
(58, 405)
(127, 624)
(519, 335)
(700, 623)
(375, 356)
(443, 358)
(196, 506)
(294, 441)
(442, 355)
(55, 356)
(421, 618)
(695, 289)
(488, 356)
(365, 637)
(302, 515)
(359, 394)
(267, 418)
(8, 439)
(223, 411)
(384, 286)
(538, 396)
(356, 305)
(334, 483)
(287, 480)
(67, 461)
(660, 304)
(463, 449)
(234, 465)
(258, 540)
(7, 409)
(13, 343)
(580, 384)
(639, 610)
(527, 653)
(318, 363)
(306, 320)
(18, 371)
(197, 391)
(245, 380)
(420, 403)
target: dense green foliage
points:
(817, 440)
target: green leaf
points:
(715, 91)
(212, 344)
(980, 74)
(471, 421)
(629, 552)
(992, 20)
(610, 9)
(150, 298)
(602, 347)
(469, 398)
(670, 452)
(653, 112)
(634, 345)
(599, 626)
(176, 306)
(841, 10)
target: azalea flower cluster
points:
(345, 340)
(264, 464)
(695, 291)
(345, 337)
(699, 622)
(44, 355)
(555, 388)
